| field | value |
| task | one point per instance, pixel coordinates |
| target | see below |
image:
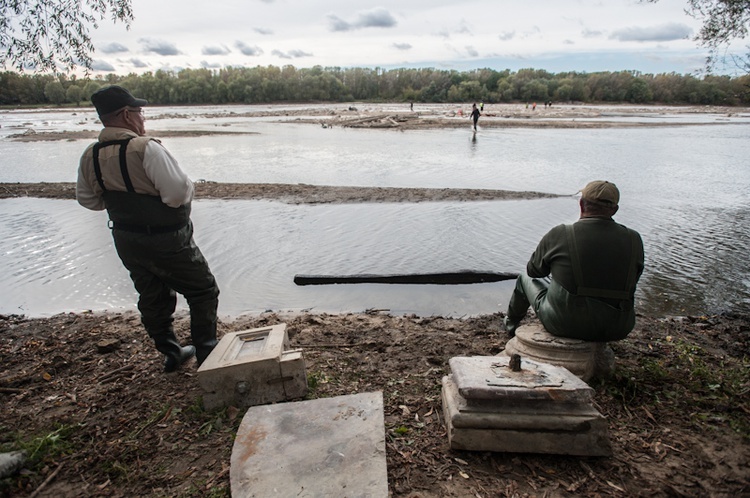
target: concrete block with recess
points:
(252, 367)
(540, 409)
(321, 447)
(585, 359)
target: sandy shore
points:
(424, 116)
(293, 193)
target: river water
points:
(684, 188)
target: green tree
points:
(723, 22)
(53, 35)
(54, 92)
(639, 92)
(89, 89)
(74, 94)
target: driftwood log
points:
(446, 278)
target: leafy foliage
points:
(240, 85)
(53, 35)
(723, 22)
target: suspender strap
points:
(578, 273)
(123, 163)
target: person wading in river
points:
(147, 197)
(594, 265)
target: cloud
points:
(591, 33)
(462, 29)
(338, 24)
(507, 35)
(263, 31)
(402, 46)
(102, 66)
(664, 32)
(113, 48)
(210, 65)
(159, 47)
(471, 51)
(138, 63)
(376, 18)
(292, 54)
(222, 50)
(247, 49)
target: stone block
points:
(541, 409)
(252, 367)
(585, 359)
(321, 447)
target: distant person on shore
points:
(475, 115)
(147, 197)
(581, 278)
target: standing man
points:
(593, 265)
(147, 197)
(475, 115)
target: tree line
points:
(268, 84)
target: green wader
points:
(582, 316)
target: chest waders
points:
(147, 214)
(624, 296)
(590, 313)
(133, 212)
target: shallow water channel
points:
(684, 188)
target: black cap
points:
(113, 98)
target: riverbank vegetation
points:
(269, 84)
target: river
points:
(684, 188)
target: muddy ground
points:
(85, 396)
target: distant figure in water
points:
(475, 115)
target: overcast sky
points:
(556, 35)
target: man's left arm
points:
(174, 186)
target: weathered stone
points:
(322, 447)
(540, 409)
(107, 345)
(252, 367)
(580, 357)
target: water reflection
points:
(59, 257)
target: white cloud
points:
(216, 50)
(377, 18)
(113, 48)
(246, 49)
(291, 54)
(159, 47)
(663, 32)
(102, 66)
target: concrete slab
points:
(583, 358)
(542, 408)
(252, 367)
(490, 377)
(580, 431)
(322, 447)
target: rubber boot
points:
(172, 363)
(203, 327)
(174, 354)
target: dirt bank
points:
(106, 422)
(293, 194)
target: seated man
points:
(593, 265)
